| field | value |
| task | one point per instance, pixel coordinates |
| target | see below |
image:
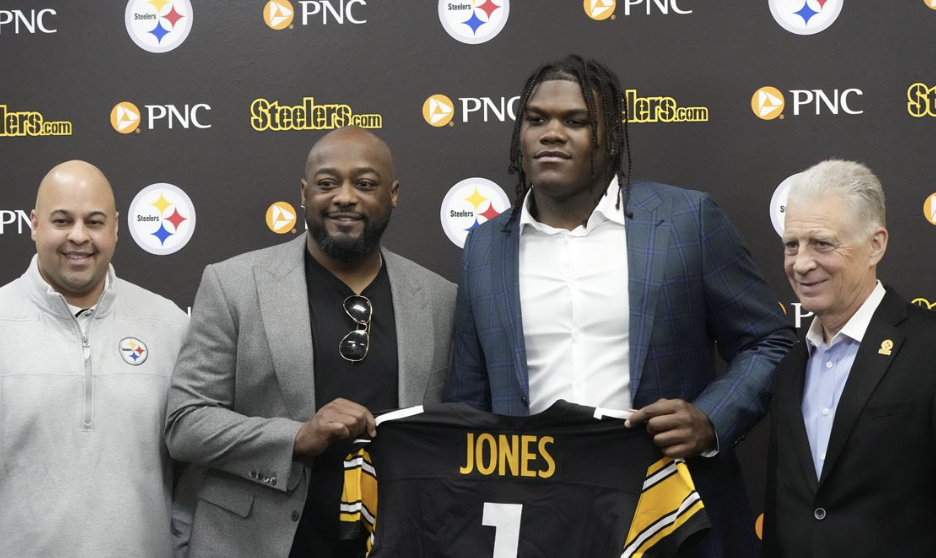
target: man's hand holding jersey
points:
(338, 420)
(678, 428)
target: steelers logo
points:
(133, 351)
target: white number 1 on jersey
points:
(505, 518)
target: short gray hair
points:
(854, 181)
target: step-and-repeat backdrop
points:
(201, 113)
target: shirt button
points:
(822, 457)
(524, 401)
(295, 515)
(819, 514)
(825, 412)
(828, 364)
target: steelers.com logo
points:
(278, 14)
(438, 110)
(767, 103)
(125, 117)
(468, 204)
(281, 218)
(599, 10)
(158, 25)
(473, 21)
(778, 203)
(805, 17)
(161, 219)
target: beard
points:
(348, 249)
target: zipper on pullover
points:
(87, 422)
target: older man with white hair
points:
(852, 461)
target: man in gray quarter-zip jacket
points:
(85, 360)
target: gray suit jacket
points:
(242, 388)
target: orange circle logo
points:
(281, 218)
(929, 207)
(438, 110)
(599, 10)
(125, 117)
(278, 14)
(767, 103)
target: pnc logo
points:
(805, 17)
(19, 217)
(281, 218)
(468, 204)
(921, 100)
(599, 10)
(27, 22)
(278, 14)
(125, 117)
(473, 21)
(158, 25)
(438, 110)
(929, 209)
(161, 219)
(923, 303)
(767, 103)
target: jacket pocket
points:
(889, 409)
(231, 499)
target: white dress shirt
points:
(575, 309)
(827, 372)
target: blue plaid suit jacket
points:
(693, 289)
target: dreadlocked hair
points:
(592, 76)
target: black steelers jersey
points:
(570, 482)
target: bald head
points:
(74, 225)
(351, 136)
(77, 177)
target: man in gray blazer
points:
(291, 348)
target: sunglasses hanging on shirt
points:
(353, 347)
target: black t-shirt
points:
(371, 382)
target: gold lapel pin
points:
(886, 347)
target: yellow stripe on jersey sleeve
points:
(668, 501)
(359, 495)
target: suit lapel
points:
(865, 375)
(505, 285)
(413, 331)
(284, 309)
(791, 375)
(647, 247)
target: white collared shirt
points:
(575, 308)
(827, 372)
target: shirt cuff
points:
(712, 452)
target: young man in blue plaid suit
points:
(613, 294)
